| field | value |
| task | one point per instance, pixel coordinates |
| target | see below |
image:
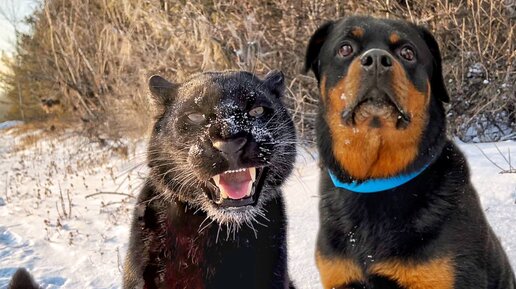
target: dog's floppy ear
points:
(437, 80)
(275, 82)
(163, 91)
(314, 46)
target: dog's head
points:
(381, 89)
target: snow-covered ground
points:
(61, 216)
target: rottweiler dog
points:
(397, 208)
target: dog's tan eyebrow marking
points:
(357, 31)
(394, 38)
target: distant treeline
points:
(89, 60)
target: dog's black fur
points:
(180, 238)
(428, 233)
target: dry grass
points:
(95, 56)
(29, 134)
(50, 125)
(27, 141)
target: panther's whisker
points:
(207, 225)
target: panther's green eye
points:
(257, 111)
(196, 117)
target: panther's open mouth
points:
(237, 188)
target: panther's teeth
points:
(235, 171)
(250, 189)
(223, 194)
(217, 180)
(252, 171)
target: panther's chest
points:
(186, 266)
(180, 254)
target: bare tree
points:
(10, 12)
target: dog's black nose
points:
(376, 61)
(230, 146)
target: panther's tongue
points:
(236, 184)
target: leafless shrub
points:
(508, 167)
(94, 56)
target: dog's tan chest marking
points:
(338, 272)
(341, 272)
(366, 152)
(434, 274)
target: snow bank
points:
(84, 248)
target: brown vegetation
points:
(92, 58)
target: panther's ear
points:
(437, 81)
(275, 82)
(314, 47)
(162, 90)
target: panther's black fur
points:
(186, 233)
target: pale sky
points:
(20, 9)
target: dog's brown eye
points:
(345, 50)
(407, 53)
(196, 117)
(257, 111)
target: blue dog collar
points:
(375, 185)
